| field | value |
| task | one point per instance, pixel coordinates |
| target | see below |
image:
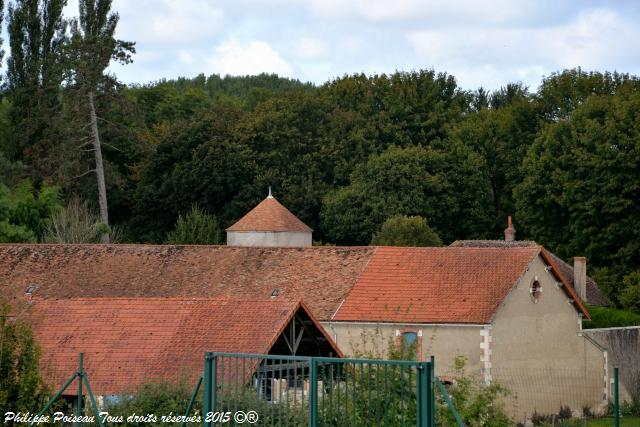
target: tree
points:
(198, 160)
(630, 295)
(196, 228)
(35, 71)
(93, 46)
(501, 137)
(25, 211)
(444, 185)
(580, 188)
(21, 386)
(402, 230)
(75, 223)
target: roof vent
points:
(31, 289)
(275, 292)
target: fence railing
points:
(317, 391)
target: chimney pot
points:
(580, 277)
(510, 231)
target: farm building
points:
(512, 309)
(128, 342)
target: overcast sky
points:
(482, 43)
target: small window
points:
(536, 291)
(409, 338)
(409, 345)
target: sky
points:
(482, 43)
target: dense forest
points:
(345, 156)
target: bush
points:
(158, 398)
(196, 228)
(77, 223)
(21, 386)
(476, 402)
(606, 317)
(401, 230)
(25, 211)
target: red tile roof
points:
(435, 285)
(594, 296)
(130, 341)
(321, 276)
(446, 285)
(270, 215)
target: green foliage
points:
(35, 71)
(501, 138)
(25, 211)
(607, 317)
(194, 162)
(196, 228)
(434, 184)
(402, 230)
(476, 402)
(76, 223)
(158, 398)
(580, 186)
(630, 295)
(21, 387)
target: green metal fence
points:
(317, 391)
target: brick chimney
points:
(580, 277)
(509, 232)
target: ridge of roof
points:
(568, 285)
(121, 356)
(270, 215)
(434, 284)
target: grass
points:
(608, 422)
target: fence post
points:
(206, 408)
(423, 397)
(616, 398)
(313, 392)
(79, 396)
(432, 388)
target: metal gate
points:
(317, 391)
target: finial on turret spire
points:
(269, 196)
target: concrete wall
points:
(269, 238)
(538, 352)
(445, 342)
(623, 351)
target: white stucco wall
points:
(538, 351)
(269, 238)
(444, 342)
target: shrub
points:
(158, 398)
(196, 228)
(476, 402)
(401, 230)
(606, 317)
(22, 389)
(77, 223)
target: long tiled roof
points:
(435, 285)
(446, 285)
(321, 276)
(131, 341)
(270, 215)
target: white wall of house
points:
(538, 351)
(444, 342)
(269, 238)
(535, 349)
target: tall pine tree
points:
(93, 47)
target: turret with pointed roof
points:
(269, 224)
